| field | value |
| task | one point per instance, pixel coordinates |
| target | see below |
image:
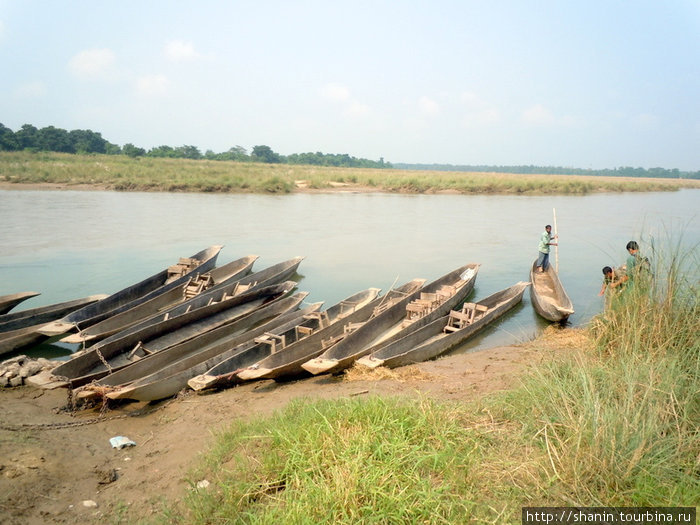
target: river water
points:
(69, 244)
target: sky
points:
(594, 84)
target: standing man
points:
(637, 266)
(545, 242)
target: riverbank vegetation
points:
(612, 422)
(123, 173)
(81, 141)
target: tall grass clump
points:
(619, 424)
(347, 461)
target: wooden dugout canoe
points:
(287, 364)
(8, 302)
(118, 352)
(443, 294)
(43, 314)
(18, 332)
(130, 296)
(163, 365)
(269, 276)
(228, 273)
(445, 333)
(548, 296)
(223, 372)
(173, 378)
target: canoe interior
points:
(449, 291)
(210, 343)
(548, 296)
(141, 291)
(287, 363)
(434, 339)
(113, 347)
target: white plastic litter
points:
(121, 442)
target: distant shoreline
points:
(299, 188)
(67, 172)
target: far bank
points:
(118, 172)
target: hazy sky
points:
(590, 84)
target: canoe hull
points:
(208, 344)
(111, 325)
(43, 314)
(8, 302)
(432, 341)
(286, 364)
(224, 374)
(390, 325)
(173, 330)
(17, 334)
(174, 378)
(548, 297)
(132, 295)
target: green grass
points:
(614, 423)
(124, 173)
(371, 461)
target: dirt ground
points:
(52, 461)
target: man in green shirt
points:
(636, 264)
(545, 242)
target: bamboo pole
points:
(556, 238)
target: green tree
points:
(188, 152)
(235, 153)
(8, 141)
(265, 154)
(51, 138)
(162, 151)
(27, 137)
(132, 151)
(87, 141)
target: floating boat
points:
(8, 302)
(168, 370)
(287, 364)
(194, 286)
(548, 295)
(221, 373)
(414, 311)
(130, 296)
(246, 349)
(114, 353)
(18, 332)
(445, 333)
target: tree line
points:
(81, 141)
(624, 171)
(85, 141)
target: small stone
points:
(90, 504)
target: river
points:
(69, 244)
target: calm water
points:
(69, 244)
